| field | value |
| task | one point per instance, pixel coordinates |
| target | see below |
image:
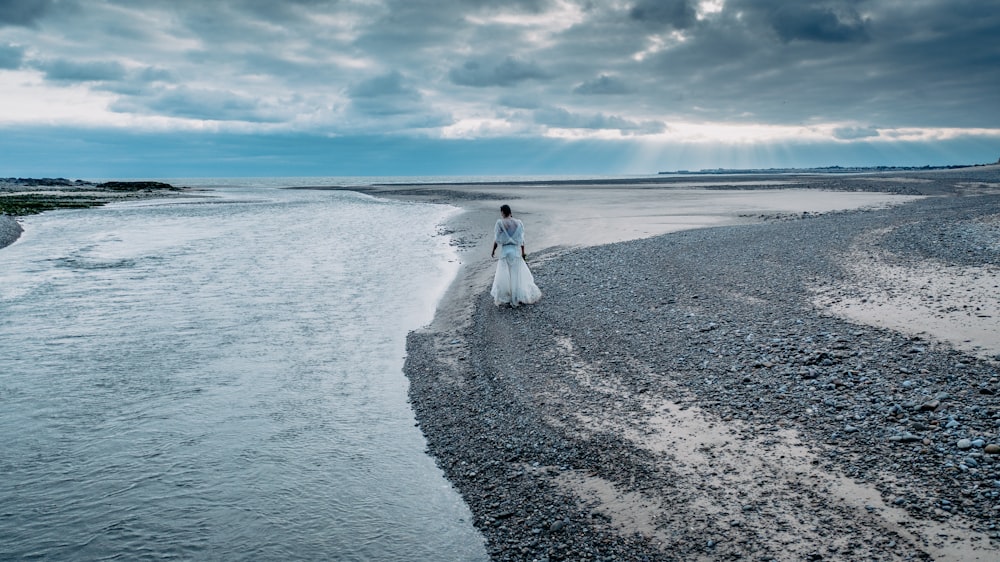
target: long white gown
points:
(513, 283)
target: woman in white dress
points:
(513, 283)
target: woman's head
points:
(505, 210)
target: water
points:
(221, 379)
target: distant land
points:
(824, 170)
(28, 196)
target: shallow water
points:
(220, 378)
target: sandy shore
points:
(781, 386)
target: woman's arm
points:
(523, 255)
(494, 250)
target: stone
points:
(964, 444)
(558, 526)
(930, 406)
(992, 449)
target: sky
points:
(199, 88)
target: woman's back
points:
(509, 231)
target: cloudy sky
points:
(173, 88)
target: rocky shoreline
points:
(28, 196)
(683, 397)
(10, 230)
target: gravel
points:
(719, 321)
(10, 230)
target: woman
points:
(513, 283)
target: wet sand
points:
(711, 393)
(565, 216)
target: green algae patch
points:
(30, 204)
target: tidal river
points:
(221, 378)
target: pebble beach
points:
(10, 230)
(734, 392)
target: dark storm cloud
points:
(532, 6)
(898, 64)
(211, 105)
(631, 65)
(387, 85)
(284, 10)
(63, 70)
(387, 94)
(139, 82)
(11, 57)
(23, 12)
(518, 101)
(817, 23)
(603, 85)
(508, 72)
(679, 14)
(401, 30)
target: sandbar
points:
(688, 389)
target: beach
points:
(787, 368)
(765, 366)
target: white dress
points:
(513, 283)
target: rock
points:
(10, 230)
(992, 449)
(964, 444)
(978, 443)
(930, 406)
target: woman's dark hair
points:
(505, 210)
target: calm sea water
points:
(220, 378)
